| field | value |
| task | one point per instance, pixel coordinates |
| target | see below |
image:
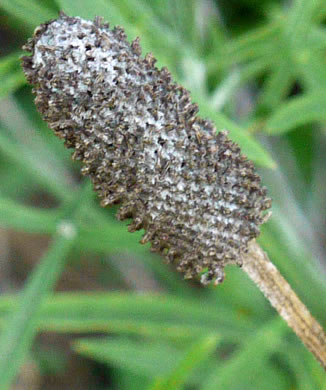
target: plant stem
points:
(281, 296)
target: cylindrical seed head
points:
(141, 142)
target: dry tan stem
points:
(280, 294)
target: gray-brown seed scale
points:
(197, 197)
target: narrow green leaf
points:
(307, 371)
(278, 83)
(182, 15)
(256, 43)
(321, 12)
(253, 69)
(109, 237)
(272, 377)
(311, 65)
(297, 112)
(19, 332)
(316, 39)
(31, 219)
(150, 358)
(149, 315)
(11, 83)
(250, 359)
(196, 354)
(149, 24)
(299, 21)
(9, 62)
(32, 150)
(299, 24)
(31, 12)
(11, 75)
(145, 358)
(30, 164)
(22, 325)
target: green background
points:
(83, 305)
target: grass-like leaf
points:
(308, 374)
(150, 315)
(250, 360)
(23, 218)
(197, 353)
(26, 161)
(109, 237)
(11, 75)
(19, 332)
(31, 12)
(22, 324)
(251, 45)
(146, 358)
(297, 112)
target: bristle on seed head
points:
(141, 142)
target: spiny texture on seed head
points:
(141, 142)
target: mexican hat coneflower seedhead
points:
(141, 142)
(144, 147)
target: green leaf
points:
(145, 357)
(27, 161)
(123, 379)
(9, 62)
(151, 26)
(253, 69)
(250, 359)
(255, 43)
(311, 65)
(299, 21)
(111, 236)
(307, 371)
(11, 75)
(21, 327)
(32, 13)
(196, 354)
(150, 358)
(278, 83)
(31, 150)
(298, 27)
(316, 39)
(149, 315)
(11, 83)
(31, 219)
(296, 112)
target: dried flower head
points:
(141, 142)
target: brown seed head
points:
(141, 142)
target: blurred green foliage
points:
(258, 69)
